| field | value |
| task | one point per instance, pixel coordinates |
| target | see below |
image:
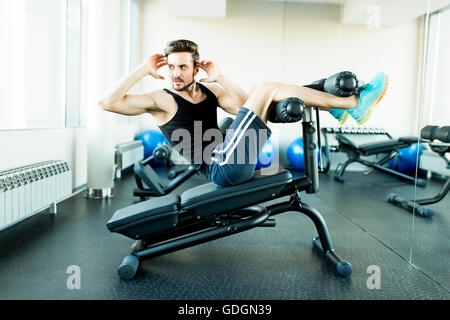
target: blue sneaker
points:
(369, 96)
(340, 114)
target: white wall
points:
(23, 147)
(297, 43)
(252, 44)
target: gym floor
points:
(263, 263)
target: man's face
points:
(181, 70)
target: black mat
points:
(362, 199)
(262, 263)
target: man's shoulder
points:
(159, 95)
(162, 99)
(157, 92)
(214, 87)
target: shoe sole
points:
(372, 107)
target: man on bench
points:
(229, 204)
(189, 107)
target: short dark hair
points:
(182, 45)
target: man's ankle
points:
(355, 101)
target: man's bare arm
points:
(119, 101)
(230, 96)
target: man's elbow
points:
(105, 105)
(242, 97)
(241, 101)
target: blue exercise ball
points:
(266, 155)
(295, 154)
(406, 159)
(150, 140)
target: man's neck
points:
(192, 91)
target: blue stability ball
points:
(406, 158)
(295, 154)
(151, 139)
(266, 155)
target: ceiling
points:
(359, 12)
(309, 1)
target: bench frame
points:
(192, 230)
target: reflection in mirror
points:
(431, 224)
(367, 162)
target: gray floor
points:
(262, 263)
(423, 241)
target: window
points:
(73, 68)
(437, 75)
(33, 64)
(128, 52)
(43, 51)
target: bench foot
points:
(128, 268)
(409, 205)
(343, 267)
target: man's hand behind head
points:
(211, 68)
(154, 63)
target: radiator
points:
(127, 154)
(30, 189)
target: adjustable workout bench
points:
(207, 212)
(355, 152)
(429, 134)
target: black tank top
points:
(195, 119)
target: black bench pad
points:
(209, 199)
(146, 217)
(161, 213)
